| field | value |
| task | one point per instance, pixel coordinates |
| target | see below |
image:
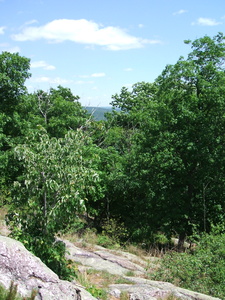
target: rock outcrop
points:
(143, 289)
(103, 259)
(121, 263)
(27, 271)
(17, 264)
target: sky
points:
(96, 47)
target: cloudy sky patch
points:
(206, 22)
(42, 64)
(84, 32)
(180, 12)
(2, 30)
(96, 75)
(95, 49)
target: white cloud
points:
(98, 75)
(40, 79)
(8, 48)
(93, 75)
(128, 69)
(42, 64)
(14, 49)
(180, 12)
(140, 25)
(2, 29)
(84, 32)
(30, 22)
(206, 22)
(80, 82)
(45, 79)
(57, 80)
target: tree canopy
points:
(174, 170)
(156, 164)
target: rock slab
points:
(17, 264)
(144, 289)
(121, 263)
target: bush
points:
(115, 230)
(105, 241)
(201, 270)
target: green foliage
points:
(60, 175)
(201, 269)
(5, 197)
(112, 234)
(130, 273)
(97, 292)
(105, 241)
(57, 180)
(13, 73)
(171, 176)
(156, 164)
(115, 230)
(58, 111)
(51, 251)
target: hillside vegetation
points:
(151, 170)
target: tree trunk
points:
(44, 205)
(181, 240)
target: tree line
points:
(155, 164)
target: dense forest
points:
(154, 165)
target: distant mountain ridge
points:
(98, 112)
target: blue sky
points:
(95, 47)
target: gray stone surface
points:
(120, 263)
(19, 265)
(143, 289)
(102, 260)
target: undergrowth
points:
(201, 270)
(97, 282)
(94, 289)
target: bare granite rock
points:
(120, 263)
(144, 289)
(17, 264)
(103, 259)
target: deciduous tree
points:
(60, 175)
(174, 171)
(14, 70)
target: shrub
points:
(92, 288)
(115, 230)
(201, 270)
(105, 241)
